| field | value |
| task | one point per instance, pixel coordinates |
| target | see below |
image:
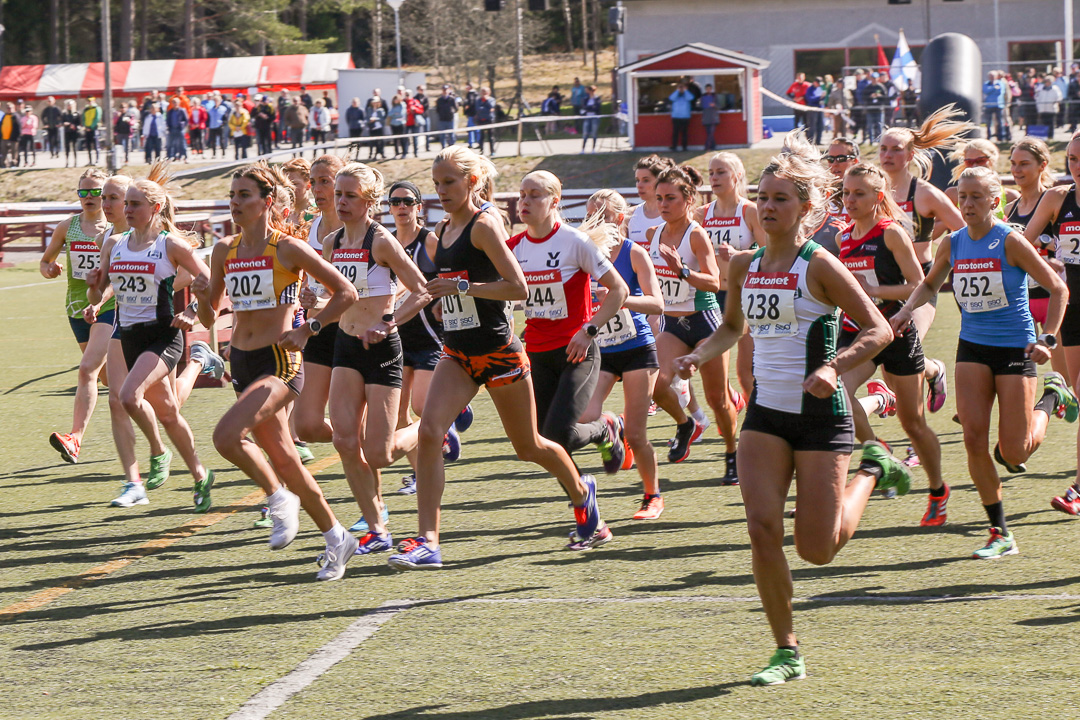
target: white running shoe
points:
(131, 494)
(336, 557)
(682, 389)
(212, 363)
(703, 421)
(286, 517)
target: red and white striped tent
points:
(268, 73)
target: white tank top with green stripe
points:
(794, 334)
(679, 295)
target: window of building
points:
(653, 92)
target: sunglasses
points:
(972, 162)
(407, 202)
(832, 159)
(92, 192)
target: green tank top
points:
(81, 259)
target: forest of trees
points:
(454, 35)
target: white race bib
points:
(978, 285)
(250, 283)
(353, 264)
(547, 296)
(674, 289)
(863, 268)
(721, 230)
(133, 282)
(769, 304)
(459, 311)
(1069, 239)
(85, 256)
(617, 330)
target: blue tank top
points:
(628, 330)
(992, 294)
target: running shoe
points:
(1013, 469)
(999, 545)
(738, 399)
(286, 517)
(652, 507)
(888, 398)
(372, 543)
(628, 454)
(414, 554)
(212, 363)
(67, 445)
(598, 538)
(682, 390)
(1068, 503)
(361, 525)
(1053, 382)
(703, 424)
(652, 409)
(935, 509)
(679, 446)
(451, 445)
(159, 469)
(587, 516)
(202, 492)
(131, 494)
(783, 667)
(464, 419)
(937, 390)
(264, 520)
(894, 474)
(306, 456)
(912, 460)
(611, 447)
(956, 418)
(731, 471)
(336, 557)
(408, 485)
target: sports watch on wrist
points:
(389, 319)
(591, 330)
(315, 326)
(1047, 340)
(463, 286)
(684, 272)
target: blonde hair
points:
(736, 163)
(800, 164)
(961, 148)
(988, 176)
(371, 180)
(610, 200)
(879, 182)
(604, 235)
(943, 129)
(1041, 152)
(334, 162)
(158, 188)
(94, 173)
(477, 169)
(298, 165)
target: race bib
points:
(250, 283)
(133, 282)
(353, 264)
(769, 304)
(978, 285)
(85, 256)
(401, 300)
(459, 311)
(721, 230)
(675, 290)
(617, 330)
(1069, 239)
(547, 296)
(863, 268)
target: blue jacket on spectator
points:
(217, 115)
(994, 94)
(176, 120)
(815, 94)
(354, 117)
(681, 103)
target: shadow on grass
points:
(39, 378)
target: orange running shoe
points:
(628, 454)
(935, 510)
(66, 445)
(652, 506)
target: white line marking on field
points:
(752, 599)
(278, 692)
(19, 287)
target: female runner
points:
(879, 253)
(142, 268)
(260, 270)
(91, 324)
(298, 173)
(924, 204)
(978, 153)
(365, 385)
(798, 420)
(478, 276)
(998, 347)
(628, 349)
(689, 280)
(560, 327)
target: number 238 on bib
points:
(769, 304)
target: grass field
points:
(171, 615)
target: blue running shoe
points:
(451, 445)
(408, 486)
(361, 526)
(372, 543)
(414, 554)
(588, 515)
(464, 419)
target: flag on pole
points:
(903, 72)
(882, 61)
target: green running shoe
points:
(894, 473)
(782, 667)
(264, 521)
(999, 546)
(1055, 383)
(159, 470)
(202, 492)
(306, 456)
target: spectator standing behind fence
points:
(239, 119)
(122, 131)
(1029, 83)
(282, 126)
(551, 108)
(877, 97)
(994, 91)
(1047, 103)
(422, 116)
(836, 101)
(590, 111)
(395, 118)
(296, 118)
(858, 109)
(710, 116)
(217, 120)
(815, 101)
(354, 118)
(28, 129)
(485, 115)
(263, 120)
(682, 102)
(797, 92)
(153, 129)
(176, 122)
(70, 121)
(10, 132)
(91, 118)
(1073, 97)
(376, 119)
(468, 107)
(577, 99)
(197, 119)
(1062, 84)
(320, 123)
(446, 110)
(51, 122)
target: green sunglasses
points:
(92, 192)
